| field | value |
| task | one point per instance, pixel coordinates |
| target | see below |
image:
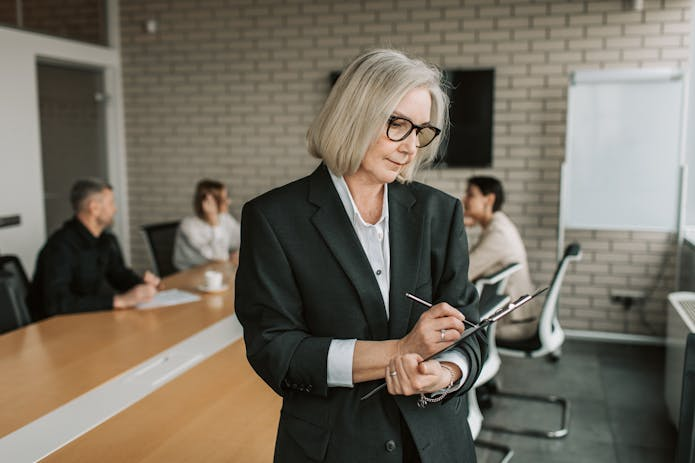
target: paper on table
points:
(168, 297)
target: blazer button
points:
(390, 446)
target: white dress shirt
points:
(198, 242)
(374, 239)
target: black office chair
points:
(491, 288)
(160, 238)
(546, 341)
(14, 286)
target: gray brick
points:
(230, 92)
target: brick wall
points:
(75, 19)
(8, 13)
(227, 89)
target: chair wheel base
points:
(555, 356)
(507, 452)
(547, 434)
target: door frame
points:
(21, 191)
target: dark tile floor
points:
(618, 414)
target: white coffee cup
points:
(213, 280)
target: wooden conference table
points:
(218, 410)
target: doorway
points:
(73, 134)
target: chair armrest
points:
(493, 303)
(497, 276)
(522, 320)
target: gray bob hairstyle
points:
(360, 103)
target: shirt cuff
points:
(460, 360)
(339, 362)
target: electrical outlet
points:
(627, 297)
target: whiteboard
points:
(623, 150)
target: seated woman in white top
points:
(499, 245)
(211, 234)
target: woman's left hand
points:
(408, 375)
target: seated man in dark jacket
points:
(81, 268)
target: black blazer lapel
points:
(337, 231)
(405, 244)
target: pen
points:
(473, 328)
(428, 305)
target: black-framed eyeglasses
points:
(399, 128)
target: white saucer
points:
(205, 289)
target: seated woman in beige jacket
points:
(499, 245)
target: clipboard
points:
(484, 323)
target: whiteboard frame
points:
(626, 75)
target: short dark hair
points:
(83, 189)
(204, 188)
(489, 185)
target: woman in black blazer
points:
(325, 262)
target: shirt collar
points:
(349, 203)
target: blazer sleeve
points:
(268, 304)
(452, 286)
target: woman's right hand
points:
(427, 338)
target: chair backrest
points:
(14, 286)
(491, 288)
(548, 324)
(160, 238)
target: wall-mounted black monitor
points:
(472, 106)
(469, 143)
